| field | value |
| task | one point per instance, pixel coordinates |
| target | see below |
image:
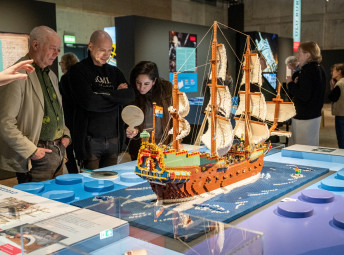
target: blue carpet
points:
(276, 180)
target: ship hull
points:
(207, 181)
(202, 178)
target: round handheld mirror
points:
(132, 116)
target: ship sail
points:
(183, 110)
(279, 111)
(257, 107)
(255, 73)
(224, 135)
(286, 111)
(223, 100)
(184, 129)
(184, 106)
(221, 63)
(257, 131)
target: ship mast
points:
(277, 101)
(153, 131)
(247, 69)
(213, 105)
(175, 115)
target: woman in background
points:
(337, 98)
(149, 88)
(307, 89)
(68, 60)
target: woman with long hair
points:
(149, 88)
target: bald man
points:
(33, 137)
(100, 91)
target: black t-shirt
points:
(95, 90)
(104, 81)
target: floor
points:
(327, 138)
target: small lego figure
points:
(297, 171)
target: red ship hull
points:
(207, 180)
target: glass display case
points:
(123, 226)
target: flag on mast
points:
(158, 111)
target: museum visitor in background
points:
(100, 91)
(150, 88)
(33, 137)
(12, 73)
(337, 98)
(67, 61)
(293, 64)
(307, 89)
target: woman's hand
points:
(332, 83)
(289, 79)
(131, 133)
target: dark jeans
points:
(103, 152)
(71, 163)
(339, 124)
(48, 167)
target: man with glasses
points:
(33, 137)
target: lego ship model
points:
(176, 175)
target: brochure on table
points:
(18, 208)
(40, 226)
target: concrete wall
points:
(321, 21)
(201, 14)
(21, 16)
(141, 38)
(82, 17)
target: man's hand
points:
(131, 133)
(40, 153)
(122, 86)
(65, 141)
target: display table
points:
(70, 188)
(226, 204)
(288, 232)
(310, 221)
(39, 226)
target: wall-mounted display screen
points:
(112, 32)
(271, 79)
(182, 51)
(267, 44)
(182, 58)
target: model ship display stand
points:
(176, 175)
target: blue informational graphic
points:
(186, 59)
(1, 62)
(187, 82)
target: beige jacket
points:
(21, 115)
